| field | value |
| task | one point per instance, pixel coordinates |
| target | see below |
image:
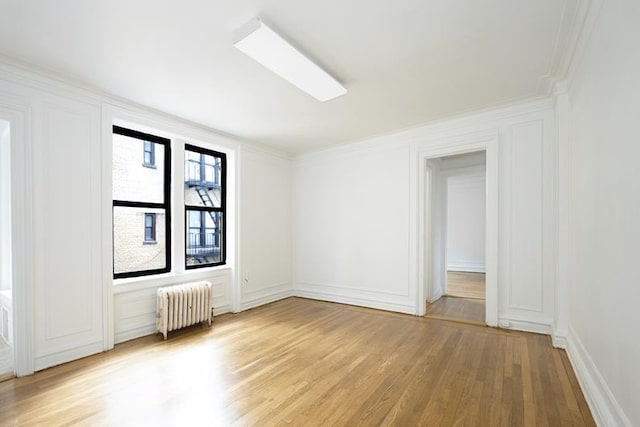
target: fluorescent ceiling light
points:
(265, 46)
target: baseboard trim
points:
(44, 362)
(217, 311)
(467, 267)
(537, 327)
(604, 407)
(361, 302)
(437, 295)
(150, 328)
(256, 302)
(132, 334)
(559, 341)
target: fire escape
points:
(203, 245)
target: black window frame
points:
(152, 228)
(166, 205)
(152, 154)
(222, 209)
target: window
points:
(150, 228)
(205, 204)
(149, 154)
(141, 195)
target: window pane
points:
(130, 251)
(203, 183)
(204, 237)
(132, 181)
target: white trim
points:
(568, 38)
(256, 302)
(132, 334)
(587, 17)
(516, 323)
(146, 282)
(238, 279)
(106, 178)
(365, 293)
(445, 129)
(466, 266)
(65, 356)
(150, 329)
(562, 300)
(360, 302)
(559, 341)
(49, 81)
(419, 250)
(15, 110)
(604, 407)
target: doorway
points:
(7, 358)
(458, 237)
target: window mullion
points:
(177, 204)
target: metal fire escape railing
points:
(202, 244)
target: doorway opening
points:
(7, 369)
(458, 206)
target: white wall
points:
(134, 299)
(5, 206)
(466, 213)
(352, 216)
(66, 272)
(265, 250)
(63, 194)
(604, 215)
(266, 227)
(351, 227)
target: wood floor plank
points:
(466, 285)
(302, 362)
(458, 309)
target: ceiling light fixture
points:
(272, 51)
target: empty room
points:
(410, 212)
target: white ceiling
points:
(404, 62)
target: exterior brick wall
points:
(133, 181)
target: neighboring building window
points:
(205, 204)
(141, 195)
(149, 154)
(150, 228)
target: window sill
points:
(150, 166)
(149, 242)
(133, 284)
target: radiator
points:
(183, 305)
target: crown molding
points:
(589, 14)
(467, 123)
(16, 71)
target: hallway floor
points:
(465, 310)
(466, 285)
(464, 301)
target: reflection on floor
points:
(464, 301)
(6, 361)
(465, 285)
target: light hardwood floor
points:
(466, 285)
(308, 363)
(464, 301)
(467, 310)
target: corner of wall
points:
(605, 409)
